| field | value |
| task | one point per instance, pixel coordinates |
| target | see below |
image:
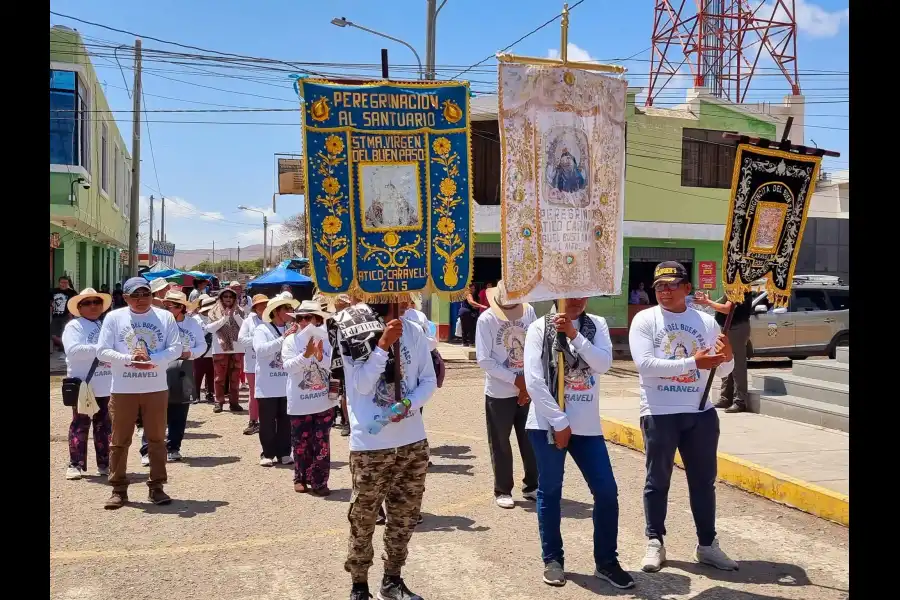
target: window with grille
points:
(69, 120)
(707, 159)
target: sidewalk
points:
(800, 465)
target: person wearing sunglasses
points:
(307, 360)
(193, 346)
(139, 341)
(674, 348)
(79, 339)
(271, 380)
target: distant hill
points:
(189, 258)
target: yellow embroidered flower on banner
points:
(391, 239)
(334, 144)
(331, 225)
(446, 225)
(331, 185)
(448, 187)
(441, 146)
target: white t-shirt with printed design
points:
(192, 337)
(308, 378)
(271, 378)
(123, 332)
(500, 351)
(79, 339)
(662, 345)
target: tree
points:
(294, 229)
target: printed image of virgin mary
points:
(515, 354)
(682, 352)
(579, 380)
(315, 379)
(567, 176)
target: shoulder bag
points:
(72, 385)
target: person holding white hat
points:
(500, 352)
(203, 364)
(245, 335)
(271, 380)
(140, 341)
(307, 360)
(193, 345)
(79, 339)
(225, 320)
(159, 287)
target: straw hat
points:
(312, 307)
(179, 298)
(158, 284)
(88, 293)
(497, 299)
(258, 298)
(205, 302)
(282, 299)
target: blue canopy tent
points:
(285, 273)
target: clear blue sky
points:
(210, 169)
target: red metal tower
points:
(721, 42)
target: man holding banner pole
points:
(555, 430)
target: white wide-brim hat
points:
(312, 307)
(88, 293)
(158, 284)
(497, 299)
(179, 298)
(205, 303)
(282, 299)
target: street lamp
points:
(265, 231)
(72, 184)
(343, 22)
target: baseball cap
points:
(134, 284)
(669, 271)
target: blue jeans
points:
(592, 459)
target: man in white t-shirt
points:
(139, 341)
(500, 352)
(674, 348)
(572, 427)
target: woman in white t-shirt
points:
(79, 339)
(307, 360)
(245, 337)
(271, 380)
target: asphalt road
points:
(239, 531)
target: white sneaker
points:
(712, 555)
(505, 501)
(654, 557)
(287, 460)
(173, 456)
(145, 460)
(265, 462)
(532, 495)
(73, 474)
(103, 471)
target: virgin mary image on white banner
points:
(562, 145)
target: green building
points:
(90, 171)
(677, 184)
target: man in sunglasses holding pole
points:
(139, 341)
(674, 348)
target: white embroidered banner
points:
(562, 145)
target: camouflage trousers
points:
(395, 477)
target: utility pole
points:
(135, 212)
(430, 35)
(271, 246)
(150, 234)
(213, 263)
(265, 262)
(239, 256)
(162, 219)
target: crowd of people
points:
(374, 367)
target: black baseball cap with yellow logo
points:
(669, 272)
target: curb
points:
(748, 476)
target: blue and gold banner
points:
(389, 192)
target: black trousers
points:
(696, 437)
(468, 320)
(274, 427)
(502, 415)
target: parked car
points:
(815, 322)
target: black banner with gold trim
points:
(770, 195)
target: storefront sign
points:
(54, 240)
(163, 248)
(290, 176)
(707, 274)
(562, 152)
(389, 203)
